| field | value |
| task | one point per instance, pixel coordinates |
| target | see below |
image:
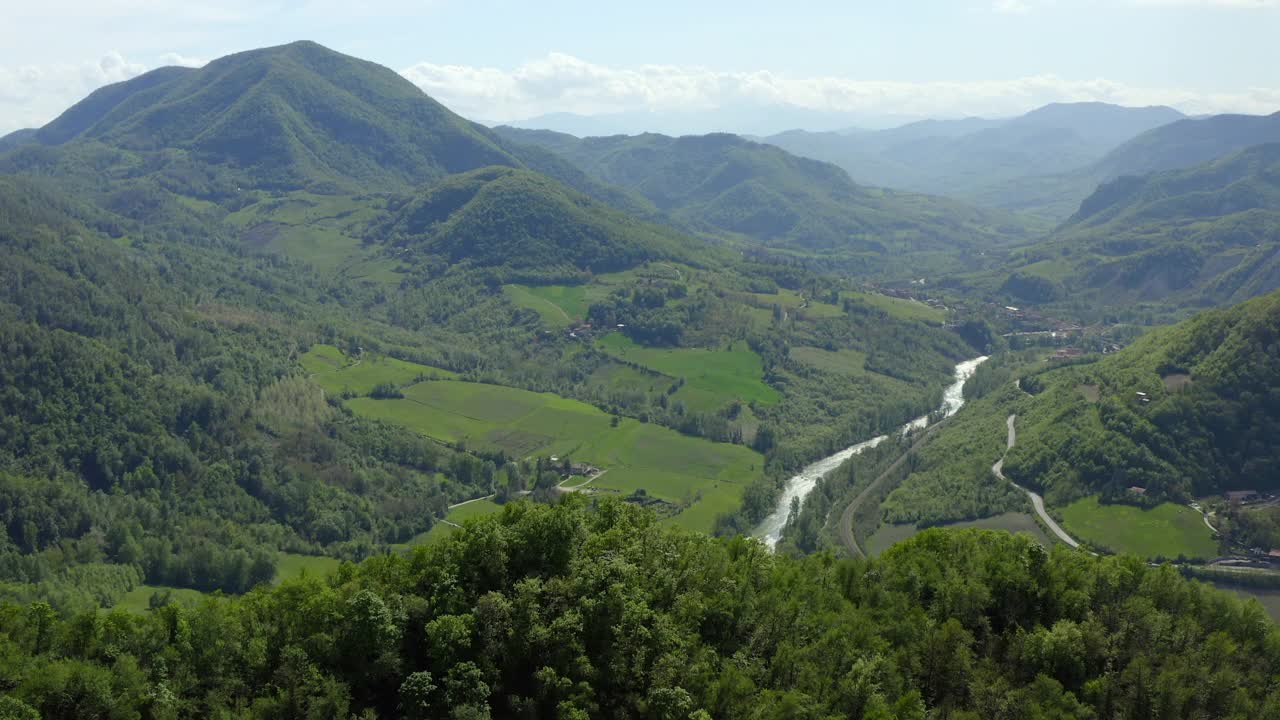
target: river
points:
(801, 484)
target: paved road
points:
(1036, 501)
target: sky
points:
(868, 62)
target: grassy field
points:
(848, 362)
(1166, 530)
(336, 372)
(713, 378)
(889, 535)
(322, 230)
(793, 302)
(138, 600)
(707, 477)
(900, 308)
(559, 305)
(292, 565)
(457, 516)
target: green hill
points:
(517, 218)
(297, 116)
(1188, 238)
(724, 184)
(287, 116)
(1205, 422)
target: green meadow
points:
(335, 372)
(558, 305)
(712, 378)
(458, 515)
(1166, 530)
(899, 308)
(321, 230)
(704, 477)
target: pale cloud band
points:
(557, 82)
(563, 83)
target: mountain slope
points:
(516, 218)
(726, 184)
(1207, 235)
(1207, 424)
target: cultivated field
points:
(336, 372)
(1166, 530)
(713, 378)
(706, 478)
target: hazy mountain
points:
(725, 184)
(966, 158)
(1206, 235)
(16, 138)
(740, 118)
(1176, 145)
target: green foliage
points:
(519, 219)
(571, 612)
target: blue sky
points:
(500, 60)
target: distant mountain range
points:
(1201, 236)
(968, 158)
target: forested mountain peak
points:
(287, 116)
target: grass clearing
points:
(292, 565)
(1166, 530)
(138, 600)
(457, 516)
(899, 307)
(707, 477)
(558, 305)
(888, 535)
(336, 372)
(846, 362)
(713, 378)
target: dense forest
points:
(576, 612)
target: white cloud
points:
(31, 95)
(563, 83)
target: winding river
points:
(800, 485)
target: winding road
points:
(1036, 501)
